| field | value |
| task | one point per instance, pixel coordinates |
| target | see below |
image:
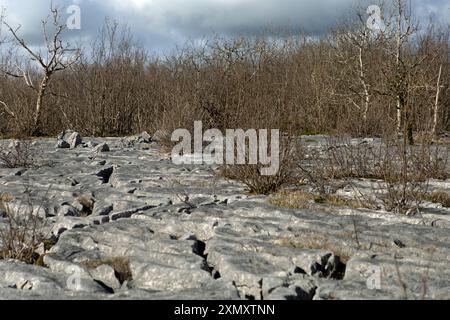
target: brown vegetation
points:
(297, 199)
(23, 232)
(120, 265)
(19, 155)
(352, 80)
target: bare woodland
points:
(352, 80)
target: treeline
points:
(353, 80)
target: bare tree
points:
(436, 104)
(2, 41)
(352, 47)
(2, 18)
(401, 28)
(58, 56)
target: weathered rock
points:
(103, 147)
(75, 140)
(91, 144)
(69, 139)
(161, 231)
(46, 283)
(68, 211)
(144, 137)
(160, 135)
(62, 224)
(61, 144)
(102, 208)
(65, 135)
(105, 174)
(106, 275)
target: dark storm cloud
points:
(160, 24)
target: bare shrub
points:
(337, 160)
(402, 197)
(429, 161)
(315, 173)
(364, 159)
(19, 155)
(22, 233)
(400, 180)
(257, 183)
(352, 160)
(402, 171)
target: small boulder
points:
(68, 211)
(69, 139)
(64, 135)
(106, 275)
(161, 135)
(62, 144)
(103, 147)
(144, 137)
(91, 144)
(75, 140)
(102, 209)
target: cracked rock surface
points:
(129, 224)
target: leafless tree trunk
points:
(436, 104)
(353, 48)
(59, 57)
(398, 53)
(365, 87)
(2, 40)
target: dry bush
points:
(352, 160)
(429, 161)
(293, 199)
(325, 167)
(257, 183)
(370, 160)
(402, 171)
(402, 197)
(315, 172)
(20, 155)
(401, 180)
(22, 233)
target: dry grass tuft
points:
(297, 199)
(87, 203)
(440, 197)
(120, 265)
(22, 234)
(6, 197)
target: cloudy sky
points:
(162, 24)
